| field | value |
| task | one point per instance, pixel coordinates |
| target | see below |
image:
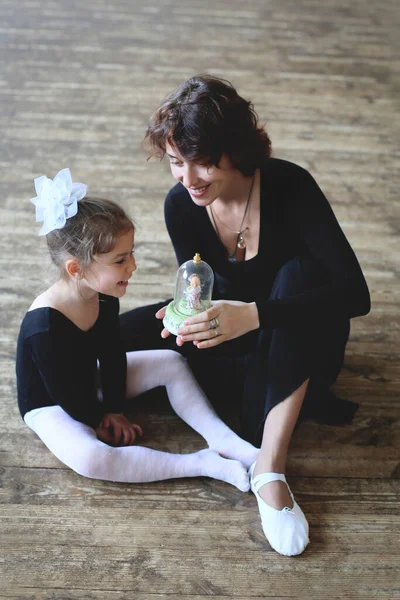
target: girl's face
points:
(109, 273)
(204, 183)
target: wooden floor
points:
(78, 83)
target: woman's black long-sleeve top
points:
(296, 219)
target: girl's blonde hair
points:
(95, 229)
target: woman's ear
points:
(73, 268)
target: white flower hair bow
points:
(56, 200)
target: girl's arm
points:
(115, 429)
(112, 357)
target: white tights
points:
(77, 446)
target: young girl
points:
(73, 376)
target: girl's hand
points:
(160, 314)
(233, 319)
(117, 430)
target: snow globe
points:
(193, 292)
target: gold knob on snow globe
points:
(193, 293)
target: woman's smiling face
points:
(204, 183)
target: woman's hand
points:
(160, 314)
(225, 320)
(117, 430)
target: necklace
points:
(240, 249)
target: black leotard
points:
(57, 363)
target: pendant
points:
(240, 243)
(240, 252)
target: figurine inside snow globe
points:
(193, 291)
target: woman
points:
(286, 282)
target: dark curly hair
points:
(204, 118)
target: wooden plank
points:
(19, 593)
(237, 528)
(58, 486)
(199, 570)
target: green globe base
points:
(173, 318)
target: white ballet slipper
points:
(286, 530)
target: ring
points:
(214, 323)
(216, 332)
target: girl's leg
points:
(152, 368)
(77, 446)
